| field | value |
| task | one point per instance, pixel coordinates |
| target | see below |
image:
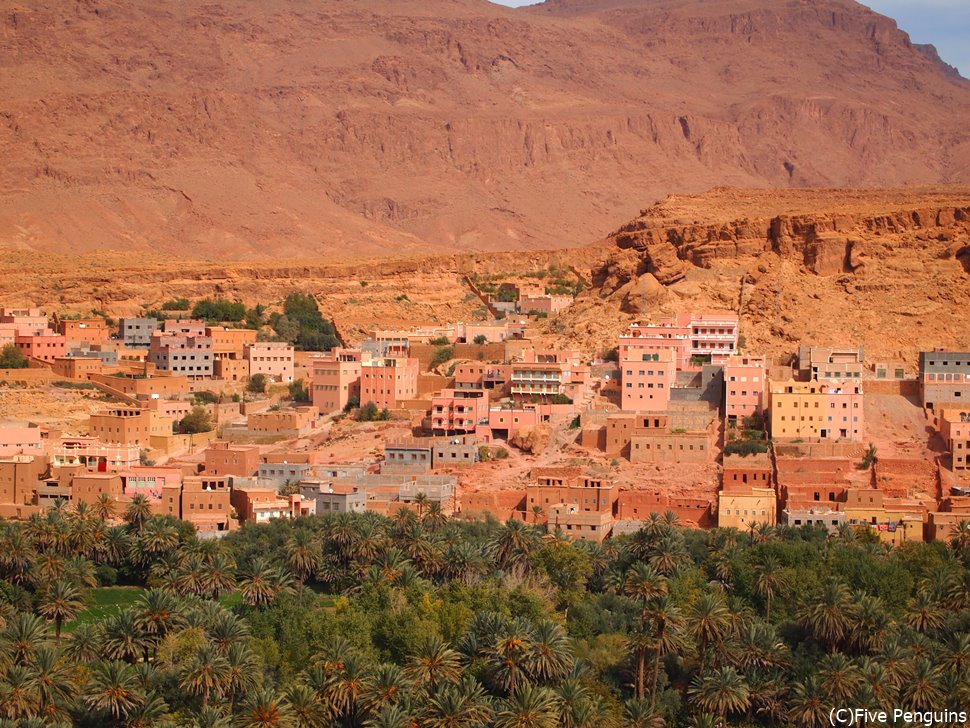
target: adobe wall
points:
(491, 351)
(901, 387)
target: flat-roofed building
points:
(742, 507)
(124, 425)
(333, 498)
(136, 332)
(272, 359)
(336, 379)
(745, 387)
(388, 381)
(955, 431)
(815, 410)
(21, 441)
(181, 353)
(944, 378)
(224, 458)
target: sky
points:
(944, 23)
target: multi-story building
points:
(710, 336)
(90, 452)
(665, 336)
(136, 332)
(78, 332)
(205, 503)
(332, 498)
(646, 379)
(828, 363)
(743, 506)
(453, 451)
(955, 431)
(408, 455)
(944, 378)
(572, 487)
(388, 381)
(743, 471)
(821, 516)
(542, 375)
(42, 344)
(579, 525)
(21, 441)
(272, 359)
(230, 343)
(745, 384)
(458, 410)
(124, 425)
(260, 505)
(813, 410)
(24, 320)
(181, 353)
(336, 379)
(19, 475)
(224, 458)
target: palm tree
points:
(840, 678)
(148, 714)
(387, 687)
(123, 638)
(104, 507)
(393, 716)
(528, 707)
(434, 518)
(60, 603)
(870, 623)
(667, 624)
(158, 613)
(303, 554)
(643, 583)
(138, 512)
(807, 705)
(640, 643)
(307, 710)
(84, 643)
(509, 657)
(112, 688)
(206, 672)
(769, 581)
(421, 501)
(218, 575)
(710, 623)
(20, 694)
(226, 629)
(923, 614)
(960, 540)
(922, 690)
(264, 709)
(56, 688)
(721, 692)
(435, 662)
(262, 583)
(550, 657)
(24, 635)
(512, 545)
(827, 616)
(637, 714)
(458, 706)
(345, 687)
(243, 673)
(16, 555)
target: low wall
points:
(901, 387)
(491, 351)
(30, 377)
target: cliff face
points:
(889, 269)
(246, 128)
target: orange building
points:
(21, 441)
(646, 379)
(77, 367)
(743, 471)
(542, 375)
(955, 431)
(458, 410)
(224, 458)
(336, 379)
(18, 477)
(817, 411)
(43, 344)
(205, 503)
(387, 382)
(571, 487)
(124, 425)
(87, 486)
(259, 505)
(230, 343)
(84, 331)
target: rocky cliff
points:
(247, 128)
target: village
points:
(213, 424)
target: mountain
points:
(276, 128)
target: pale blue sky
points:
(944, 23)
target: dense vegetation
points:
(219, 310)
(302, 324)
(360, 620)
(11, 357)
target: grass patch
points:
(105, 602)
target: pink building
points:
(336, 379)
(272, 359)
(744, 387)
(185, 327)
(24, 320)
(20, 440)
(542, 375)
(44, 345)
(225, 458)
(150, 482)
(711, 335)
(646, 378)
(459, 410)
(643, 339)
(387, 382)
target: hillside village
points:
(219, 420)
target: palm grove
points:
(418, 621)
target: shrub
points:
(612, 354)
(198, 420)
(439, 341)
(176, 304)
(368, 413)
(352, 403)
(484, 454)
(745, 447)
(206, 397)
(443, 354)
(501, 454)
(561, 399)
(574, 424)
(257, 384)
(209, 310)
(480, 339)
(13, 358)
(298, 392)
(106, 575)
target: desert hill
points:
(286, 128)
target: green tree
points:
(257, 384)
(196, 421)
(11, 357)
(61, 603)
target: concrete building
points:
(331, 498)
(408, 455)
(19, 476)
(828, 517)
(260, 505)
(745, 387)
(743, 507)
(41, 344)
(224, 458)
(136, 332)
(944, 378)
(205, 502)
(955, 431)
(230, 343)
(813, 410)
(456, 411)
(181, 353)
(828, 363)
(83, 332)
(579, 525)
(91, 453)
(336, 380)
(743, 471)
(646, 379)
(571, 487)
(543, 375)
(709, 336)
(272, 359)
(123, 425)
(455, 451)
(281, 473)
(290, 422)
(21, 441)
(388, 382)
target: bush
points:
(106, 575)
(209, 310)
(612, 355)
(352, 403)
(13, 358)
(303, 325)
(206, 397)
(484, 454)
(198, 420)
(370, 413)
(480, 339)
(574, 424)
(442, 354)
(299, 393)
(439, 341)
(176, 304)
(257, 384)
(561, 399)
(501, 454)
(745, 447)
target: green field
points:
(105, 602)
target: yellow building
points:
(816, 411)
(742, 507)
(893, 522)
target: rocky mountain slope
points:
(889, 269)
(245, 128)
